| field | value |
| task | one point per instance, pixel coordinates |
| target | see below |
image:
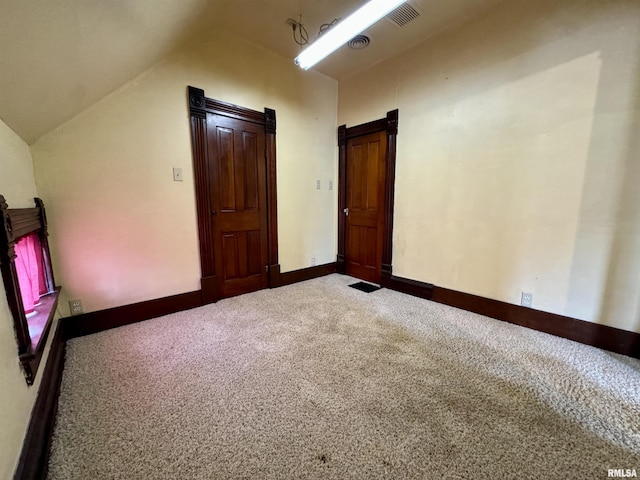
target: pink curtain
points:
(30, 271)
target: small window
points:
(28, 280)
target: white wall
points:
(517, 166)
(17, 185)
(122, 231)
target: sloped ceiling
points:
(57, 57)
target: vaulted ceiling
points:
(57, 57)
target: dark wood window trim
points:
(199, 106)
(33, 463)
(17, 223)
(389, 124)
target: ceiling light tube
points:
(344, 31)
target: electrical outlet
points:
(526, 299)
(313, 261)
(75, 306)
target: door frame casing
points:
(389, 124)
(199, 106)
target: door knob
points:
(346, 211)
(213, 212)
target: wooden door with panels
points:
(364, 211)
(237, 174)
(367, 158)
(234, 169)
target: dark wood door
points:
(366, 174)
(237, 172)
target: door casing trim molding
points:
(199, 106)
(389, 124)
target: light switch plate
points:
(177, 174)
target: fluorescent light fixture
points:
(344, 31)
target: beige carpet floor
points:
(317, 380)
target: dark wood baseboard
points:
(94, 322)
(34, 459)
(304, 274)
(411, 287)
(588, 333)
(594, 334)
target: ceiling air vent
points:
(359, 42)
(403, 14)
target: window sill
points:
(39, 326)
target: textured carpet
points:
(318, 380)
